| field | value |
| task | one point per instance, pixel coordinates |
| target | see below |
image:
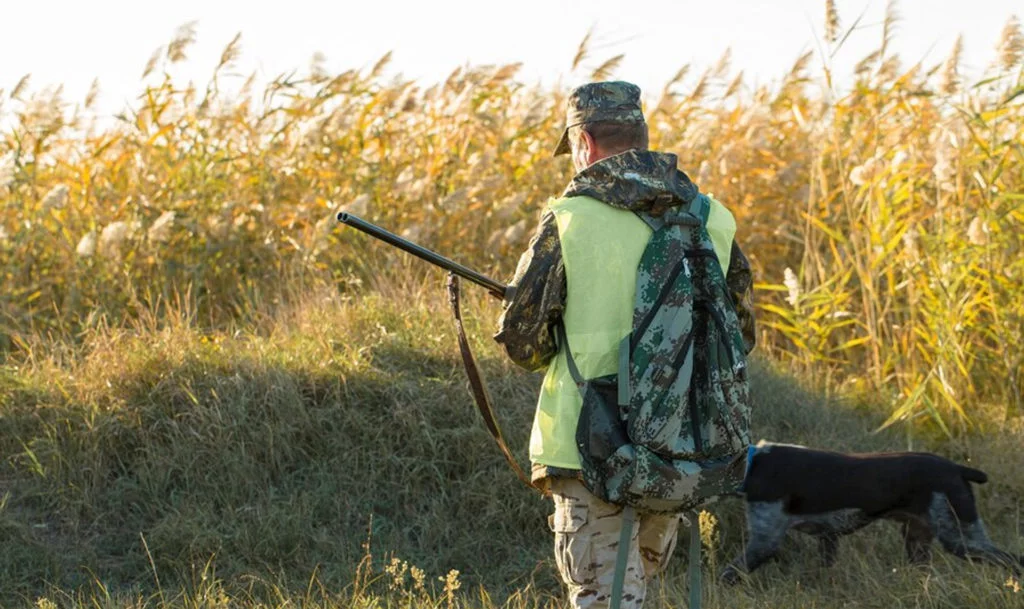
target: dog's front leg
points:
(917, 540)
(766, 528)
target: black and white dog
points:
(829, 494)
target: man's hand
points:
(502, 296)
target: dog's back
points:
(810, 481)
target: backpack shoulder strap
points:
(700, 207)
(563, 341)
(698, 210)
(577, 376)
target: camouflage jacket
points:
(635, 181)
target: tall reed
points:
(883, 215)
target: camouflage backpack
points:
(668, 432)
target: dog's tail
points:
(973, 475)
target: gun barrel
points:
(421, 252)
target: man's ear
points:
(583, 152)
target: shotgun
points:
(476, 380)
(423, 253)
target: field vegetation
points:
(211, 395)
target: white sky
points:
(71, 42)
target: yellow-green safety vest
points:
(601, 250)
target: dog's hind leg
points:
(766, 528)
(966, 539)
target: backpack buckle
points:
(666, 374)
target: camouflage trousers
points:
(587, 543)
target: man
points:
(580, 270)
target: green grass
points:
(289, 461)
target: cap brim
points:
(563, 144)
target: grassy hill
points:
(309, 457)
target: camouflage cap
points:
(616, 101)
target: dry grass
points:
(294, 462)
